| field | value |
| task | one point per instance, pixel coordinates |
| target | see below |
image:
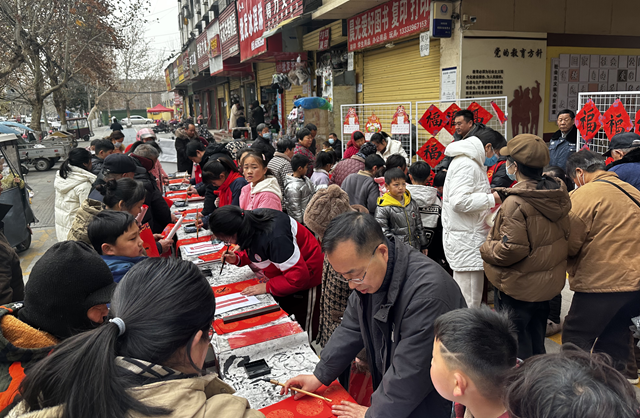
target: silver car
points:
(136, 120)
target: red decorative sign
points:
(588, 121)
(480, 114)
(637, 122)
(202, 51)
(432, 152)
(616, 120)
(323, 39)
(309, 407)
(351, 122)
(433, 120)
(251, 24)
(215, 48)
(449, 118)
(222, 328)
(502, 118)
(257, 336)
(233, 287)
(386, 22)
(372, 126)
(400, 124)
(148, 242)
(229, 32)
(277, 11)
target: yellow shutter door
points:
(264, 74)
(400, 74)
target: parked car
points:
(136, 120)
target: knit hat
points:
(366, 150)
(64, 284)
(325, 205)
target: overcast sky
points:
(162, 29)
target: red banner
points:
(432, 152)
(449, 119)
(251, 24)
(323, 39)
(480, 114)
(433, 120)
(227, 289)
(229, 32)
(277, 11)
(202, 49)
(588, 121)
(244, 339)
(307, 406)
(222, 328)
(637, 123)
(616, 120)
(391, 20)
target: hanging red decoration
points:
(449, 117)
(588, 121)
(502, 118)
(432, 152)
(480, 114)
(433, 120)
(616, 120)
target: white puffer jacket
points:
(70, 193)
(466, 201)
(394, 147)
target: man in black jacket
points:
(183, 137)
(158, 215)
(200, 155)
(262, 144)
(399, 294)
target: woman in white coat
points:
(72, 185)
(466, 203)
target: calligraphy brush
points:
(222, 266)
(197, 227)
(275, 382)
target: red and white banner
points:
(229, 32)
(386, 22)
(202, 55)
(277, 11)
(323, 39)
(251, 25)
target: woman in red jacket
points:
(287, 253)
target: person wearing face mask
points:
(336, 144)
(603, 261)
(466, 203)
(525, 254)
(262, 144)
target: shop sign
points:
(351, 122)
(391, 20)
(181, 68)
(202, 57)
(177, 99)
(251, 24)
(277, 11)
(214, 46)
(174, 72)
(167, 78)
(283, 67)
(323, 39)
(424, 44)
(216, 63)
(229, 32)
(186, 74)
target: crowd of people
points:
(378, 256)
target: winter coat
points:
(235, 114)
(605, 235)
(560, 148)
(497, 174)
(297, 194)
(115, 126)
(289, 256)
(21, 346)
(88, 210)
(466, 201)
(397, 334)
(158, 172)
(430, 208)
(333, 302)
(187, 396)
(70, 193)
(257, 114)
(337, 147)
(478, 130)
(235, 146)
(181, 141)
(628, 168)
(320, 178)
(120, 265)
(401, 220)
(96, 165)
(280, 166)
(306, 151)
(394, 147)
(264, 147)
(525, 254)
(345, 167)
(11, 283)
(158, 215)
(266, 194)
(213, 152)
(362, 190)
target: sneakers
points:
(633, 381)
(553, 328)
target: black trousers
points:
(305, 306)
(600, 321)
(530, 319)
(555, 306)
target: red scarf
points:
(223, 192)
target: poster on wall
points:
(251, 25)
(351, 122)
(432, 152)
(400, 124)
(515, 68)
(448, 81)
(372, 126)
(433, 120)
(214, 53)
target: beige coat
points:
(605, 237)
(198, 397)
(88, 210)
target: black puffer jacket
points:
(257, 114)
(401, 221)
(159, 215)
(211, 153)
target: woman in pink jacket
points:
(263, 190)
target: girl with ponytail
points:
(222, 174)
(145, 361)
(286, 252)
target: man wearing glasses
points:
(399, 294)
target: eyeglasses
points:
(342, 278)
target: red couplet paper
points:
(637, 122)
(449, 119)
(175, 181)
(186, 241)
(148, 242)
(502, 118)
(432, 152)
(264, 334)
(307, 406)
(433, 120)
(588, 121)
(480, 114)
(233, 287)
(222, 328)
(616, 120)
(214, 256)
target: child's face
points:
(442, 378)
(128, 244)
(136, 209)
(397, 188)
(253, 171)
(103, 154)
(301, 171)
(220, 181)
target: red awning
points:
(159, 109)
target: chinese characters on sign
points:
(485, 82)
(277, 11)
(433, 120)
(216, 64)
(432, 152)
(323, 39)
(637, 122)
(515, 53)
(424, 44)
(588, 121)
(449, 119)
(202, 49)
(616, 120)
(555, 105)
(229, 32)
(251, 24)
(283, 67)
(214, 46)
(480, 114)
(386, 22)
